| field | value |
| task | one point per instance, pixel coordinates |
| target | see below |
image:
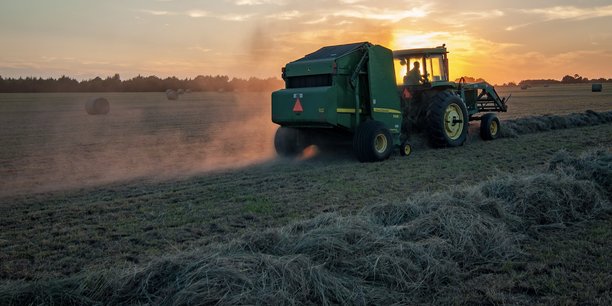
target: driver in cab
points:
(413, 77)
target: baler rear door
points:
(384, 100)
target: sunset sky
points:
(500, 41)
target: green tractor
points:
(350, 94)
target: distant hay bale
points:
(172, 95)
(180, 91)
(525, 86)
(97, 106)
(596, 87)
(187, 90)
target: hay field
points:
(147, 236)
(50, 143)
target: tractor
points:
(368, 96)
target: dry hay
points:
(398, 253)
(596, 87)
(180, 91)
(532, 124)
(97, 106)
(172, 94)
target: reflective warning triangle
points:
(297, 108)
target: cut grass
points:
(62, 233)
(403, 252)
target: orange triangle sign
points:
(297, 108)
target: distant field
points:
(555, 99)
(50, 143)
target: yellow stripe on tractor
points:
(346, 110)
(386, 110)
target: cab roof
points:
(421, 51)
(331, 52)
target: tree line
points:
(568, 79)
(139, 83)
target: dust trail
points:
(52, 144)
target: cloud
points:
(235, 17)
(382, 14)
(482, 15)
(287, 15)
(200, 49)
(571, 12)
(563, 13)
(158, 13)
(258, 2)
(197, 13)
(316, 21)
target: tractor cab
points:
(432, 63)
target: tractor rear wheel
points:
(489, 126)
(372, 142)
(288, 142)
(447, 120)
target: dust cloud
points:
(50, 143)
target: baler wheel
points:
(405, 149)
(372, 142)
(489, 126)
(447, 120)
(288, 142)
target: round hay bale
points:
(180, 91)
(172, 95)
(97, 106)
(523, 87)
(598, 87)
(187, 90)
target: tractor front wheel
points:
(489, 126)
(288, 142)
(372, 142)
(447, 120)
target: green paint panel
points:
(318, 107)
(309, 68)
(384, 101)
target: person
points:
(413, 77)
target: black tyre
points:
(489, 126)
(288, 142)
(372, 142)
(405, 149)
(447, 120)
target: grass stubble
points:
(465, 244)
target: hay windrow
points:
(398, 253)
(532, 124)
